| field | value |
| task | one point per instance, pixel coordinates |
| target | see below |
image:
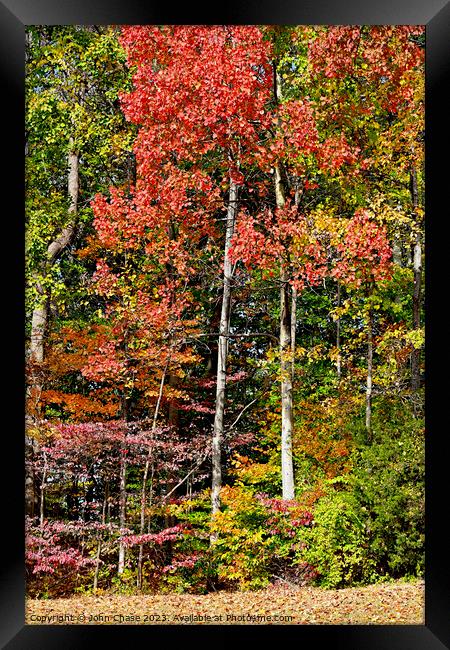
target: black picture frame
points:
(15, 15)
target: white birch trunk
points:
(224, 329)
(287, 413)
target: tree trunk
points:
(397, 259)
(31, 481)
(369, 375)
(297, 197)
(123, 489)
(150, 498)
(417, 270)
(40, 313)
(99, 544)
(148, 462)
(30, 494)
(173, 422)
(293, 328)
(39, 326)
(287, 412)
(173, 415)
(287, 465)
(97, 565)
(39, 319)
(224, 329)
(122, 507)
(43, 486)
(397, 252)
(338, 335)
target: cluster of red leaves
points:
(89, 436)
(168, 195)
(46, 552)
(280, 235)
(166, 535)
(364, 252)
(381, 54)
(196, 89)
(147, 328)
(286, 516)
(198, 407)
(336, 151)
(71, 449)
(201, 86)
(185, 562)
(296, 136)
(334, 50)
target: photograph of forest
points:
(225, 324)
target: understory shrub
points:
(257, 539)
(370, 524)
(337, 543)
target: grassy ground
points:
(393, 603)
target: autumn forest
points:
(225, 342)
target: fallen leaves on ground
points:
(382, 604)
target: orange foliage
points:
(69, 348)
(320, 434)
(79, 407)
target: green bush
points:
(388, 480)
(337, 543)
(370, 525)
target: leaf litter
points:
(380, 604)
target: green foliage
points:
(389, 486)
(338, 541)
(124, 583)
(369, 525)
(74, 77)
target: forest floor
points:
(382, 604)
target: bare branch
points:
(166, 496)
(242, 412)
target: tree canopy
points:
(224, 306)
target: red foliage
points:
(381, 54)
(280, 235)
(202, 87)
(364, 253)
(47, 552)
(198, 91)
(166, 535)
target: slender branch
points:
(149, 460)
(166, 496)
(242, 412)
(291, 584)
(161, 387)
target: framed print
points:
(227, 323)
